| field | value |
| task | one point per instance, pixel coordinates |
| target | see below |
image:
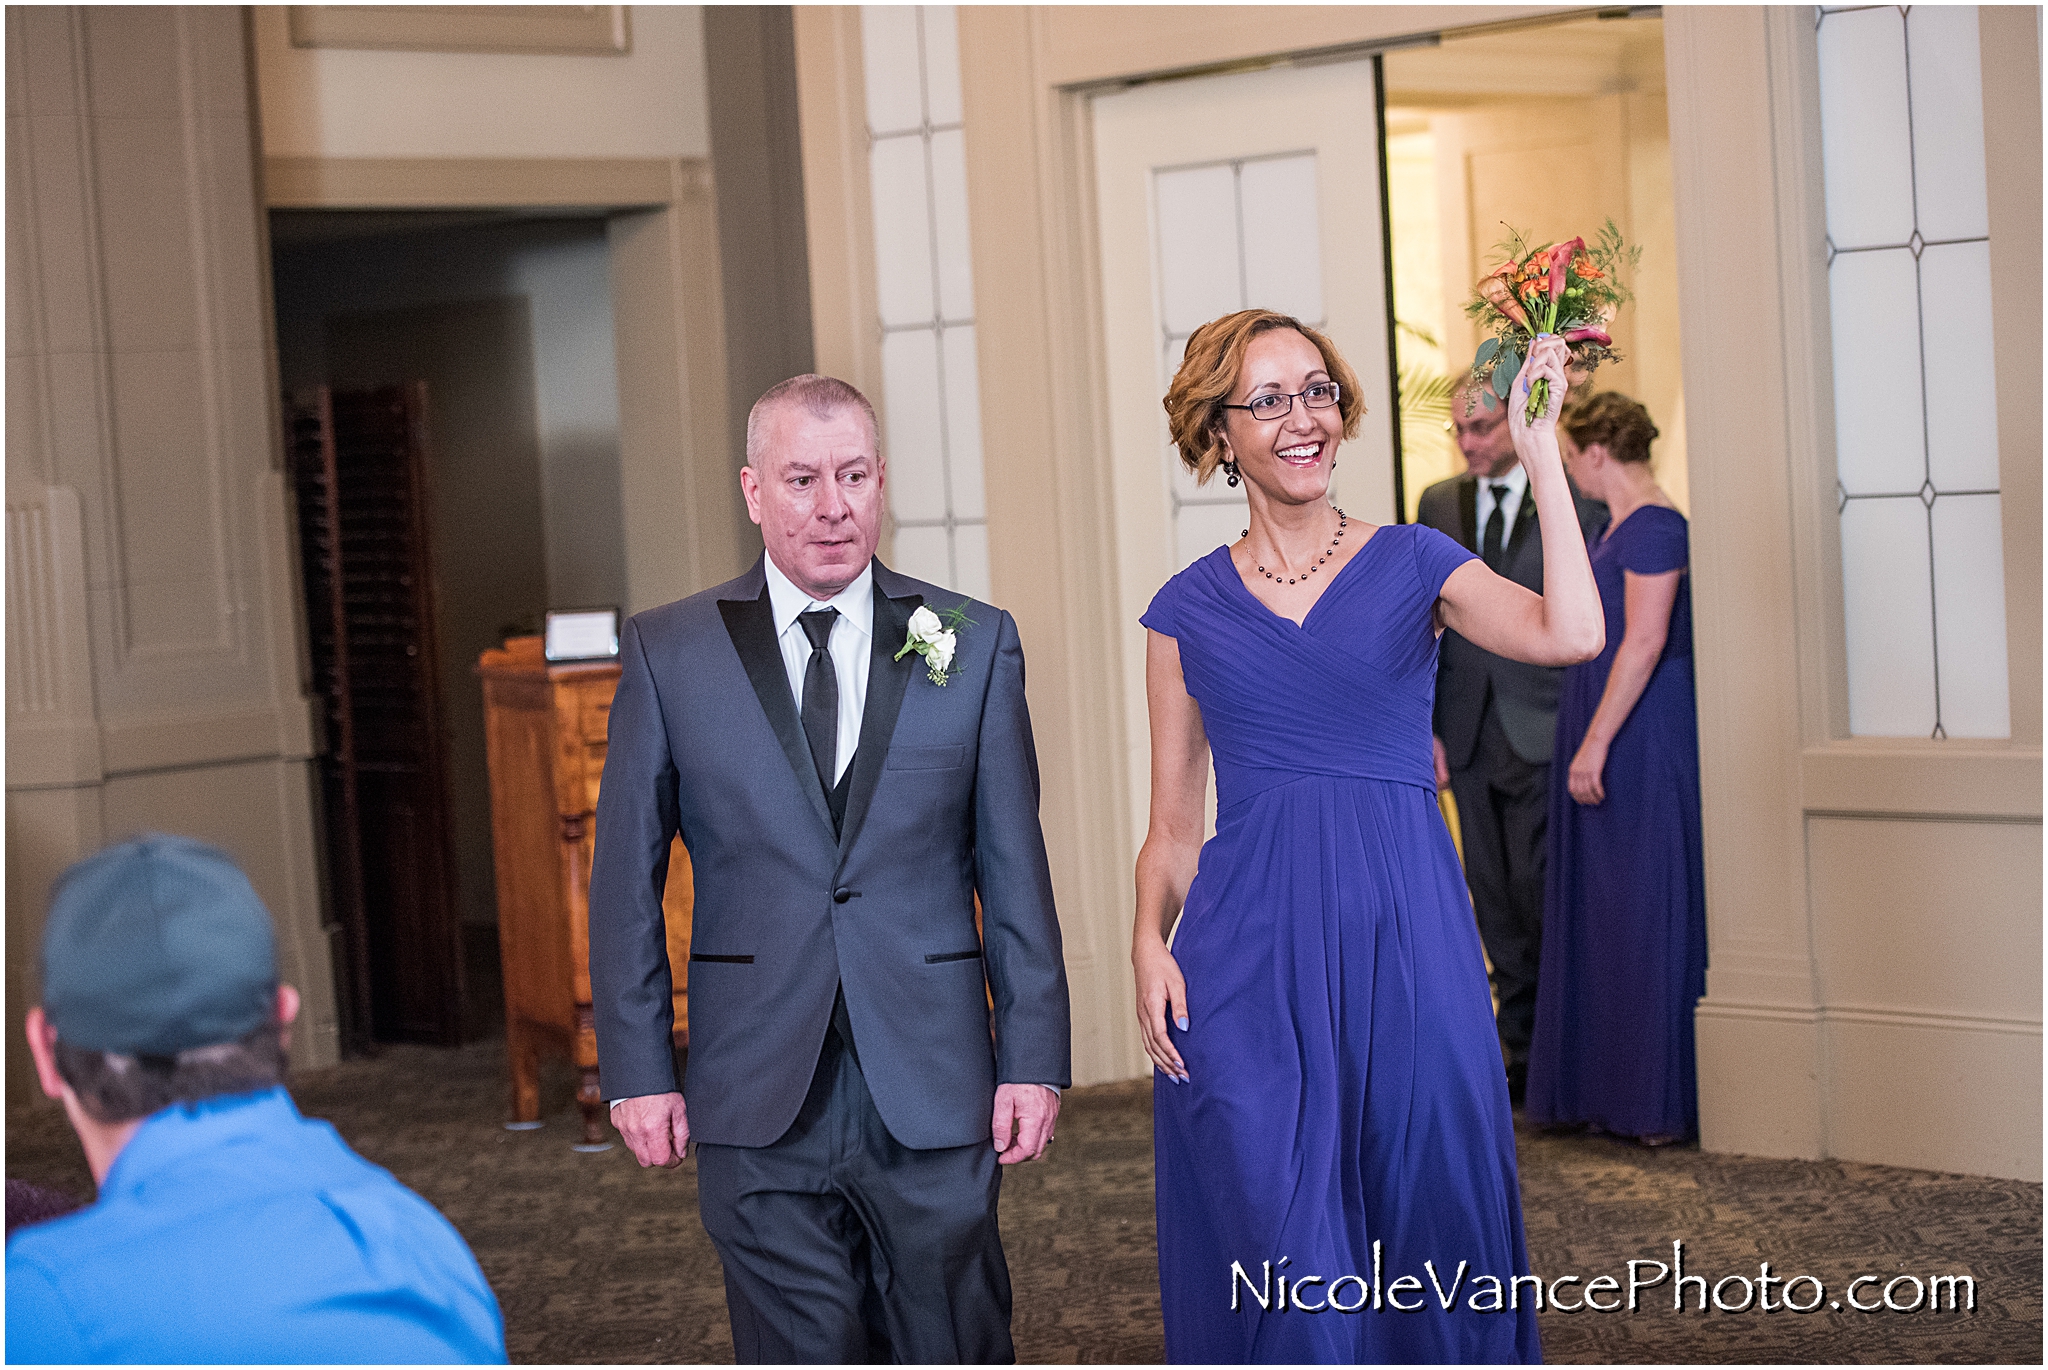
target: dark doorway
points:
(506, 323)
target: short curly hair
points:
(1613, 420)
(1209, 372)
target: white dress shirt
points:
(853, 633)
(1517, 482)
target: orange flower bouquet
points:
(1566, 289)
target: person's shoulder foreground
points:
(237, 1231)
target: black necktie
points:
(1496, 523)
(821, 696)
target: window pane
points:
(889, 56)
(970, 563)
(1962, 402)
(1201, 529)
(1865, 132)
(1198, 260)
(903, 236)
(942, 64)
(963, 424)
(925, 553)
(949, 211)
(1874, 304)
(916, 454)
(1888, 611)
(1969, 616)
(1948, 121)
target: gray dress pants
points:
(1503, 814)
(841, 1245)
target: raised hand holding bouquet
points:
(1566, 290)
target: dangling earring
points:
(1230, 472)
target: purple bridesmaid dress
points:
(1347, 1112)
(1624, 898)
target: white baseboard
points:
(1863, 1082)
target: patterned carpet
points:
(595, 1260)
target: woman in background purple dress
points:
(1624, 901)
(1330, 1117)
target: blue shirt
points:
(235, 1230)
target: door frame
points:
(675, 466)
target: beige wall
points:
(1868, 899)
(1858, 1007)
(153, 665)
(334, 102)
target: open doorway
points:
(504, 322)
(1551, 129)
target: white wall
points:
(332, 102)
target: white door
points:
(1215, 194)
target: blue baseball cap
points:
(157, 945)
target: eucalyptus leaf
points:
(1487, 350)
(1504, 374)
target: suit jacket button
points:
(841, 895)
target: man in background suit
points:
(860, 1059)
(1495, 718)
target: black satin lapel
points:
(751, 624)
(887, 680)
(1468, 513)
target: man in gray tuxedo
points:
(861, 1061)
(1495, 718)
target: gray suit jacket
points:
(1524, 696)
(942, 804)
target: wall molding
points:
(584, 30)
(1872, 1015)
(478, 182)
(1909, 778)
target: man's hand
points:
(1024, 1120)
(1443, 762)
(655, 1127)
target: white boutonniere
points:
(935, 637)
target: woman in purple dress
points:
(1334, 1154)
(1624, 900)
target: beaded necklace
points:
(1342, 521)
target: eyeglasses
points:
(1266, 408)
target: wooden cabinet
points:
(545, 728)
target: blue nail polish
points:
(1183, 1021)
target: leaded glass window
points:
(1916, 421)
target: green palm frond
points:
(1425, 399)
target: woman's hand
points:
(1160, 991)
(1546, 361)
(1584, 780)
